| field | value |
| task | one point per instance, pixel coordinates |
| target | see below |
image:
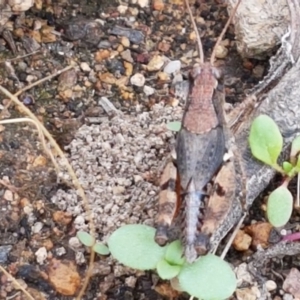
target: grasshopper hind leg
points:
(169, 203)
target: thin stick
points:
(229, 243)
(212, 58)
(34, 84)
(22, 56)
(9, 186)
(200, 48)
(70, 171)
(16, 283)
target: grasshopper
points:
(201, 144)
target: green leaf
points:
(280, 206)
(209, 278)
(174, 126)
(134, 246)
(85, 238)
(287, 167)
(174, 253)
(265, 140)
(167, 271)
(295, 149)
(101, 249)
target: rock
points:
(131, 281)
(158, 5)
(260, 26)
(163, 76)
(138, 79)
(64, 277)
(4, 251)
(109, 108)
(85, 67)
(258, 71)
(292, 283)
(221, 51)
(260, 233)
(143, 3)
(128, 68)
(101, 55)
(67, 80)
(74, 243)
(288, 297)
(61, 217)
(242, 241)
(101, 268)
(20, 5)
(125, 41)
(40, 161)
(164, 46)
(37, 227)
(155, 63)
(104, 44)
(243, 275)
(133, 35)
(271, 285)
(246, 294)
(172, 67)
(122, 9)
(126, 55)
(148, 90)
(60, 251)
(41, 255)
(8, 195)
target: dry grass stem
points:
(69, 168)
(16, 283)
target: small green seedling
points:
(209, 277)
(87, 240)
(174, 126)
(266, 144)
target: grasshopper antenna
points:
(212, 58)
(200, 48)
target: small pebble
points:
(156, 63)
(138, 79)
(85, 67)
(287, 297)
(221, 51)
(172, 67)
(41, 255)
(148, 90)
(8, 195)
(131, 281)
(271, 285)
(126, 55)
(122, 9)
(258, 71)
(4, 251)
(37, 227)
(74, 243)
(158, 5)
(125, 41)
(60, 251)
(143, 3)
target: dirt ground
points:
(127, 53)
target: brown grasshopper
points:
(201, 144)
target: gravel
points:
(119, 163)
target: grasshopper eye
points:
(217, 73)
(195, 71)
